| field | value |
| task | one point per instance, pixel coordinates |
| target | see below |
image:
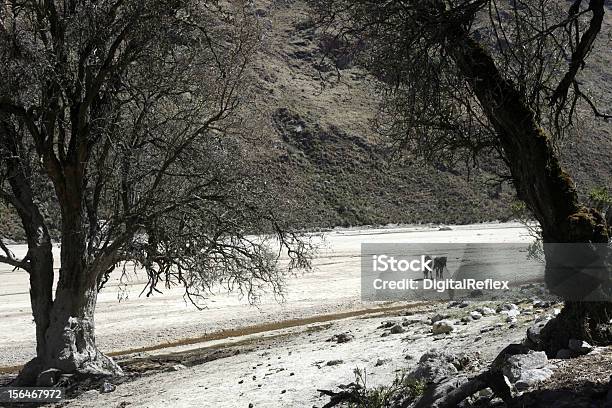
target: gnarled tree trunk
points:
(550, 194)
(65, 325)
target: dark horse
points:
(439, 263)
(427, 272)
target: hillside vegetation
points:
(322, 156)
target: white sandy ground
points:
(333, 286)
(287, 372)
(279, 367)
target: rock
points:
(341, 338)
(533, 333)
(541, 304)
(385, 334)
(439, 317)
(566, 353)
(48, 378)
(514, 313)
(515, 366)
(445, 228)
(334, 362)
(531, 377)
(409, 322)
(397, 329)
(475, 315)
(463, 304)
(107, 387)
(442, 327)
(509, 306)
(436, 365)
(486, 311)
(466, 319)
(381, 361)
(580, 346)
(487, 329)
(511, 319)
(477, 338)
(387, 324)
(177, 367)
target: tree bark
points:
(549, 192)
(65, 326)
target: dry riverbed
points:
(286, 367)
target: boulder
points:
(341, 338)
(435, 366)
(442, 327)
(387, 324)
(381, 361)
(541, 304)
(486, 311)
(439, 317)
(107, 387)
(397, 329)
(475, 315)
(532, 377)
(517, 366)
(507, 306)
(534, 332)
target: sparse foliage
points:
(471, 79)
(127, 115)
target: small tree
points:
(469, 79)
(128, 112)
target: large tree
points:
(470, 79)
(123, 117)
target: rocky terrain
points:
(424, 348)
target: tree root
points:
(588, 321)
(48, 373)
